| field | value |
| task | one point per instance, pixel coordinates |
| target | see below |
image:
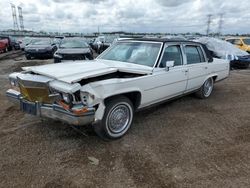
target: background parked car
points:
(7, 42)
(24, 42)
(73, 49)
(107, 43)
(57, 40)
(225, 50)
(4, 43)
(97, 43)
(242, 42)
(14, 43)
(101, 43)
(40, 48)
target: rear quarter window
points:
(194, 54)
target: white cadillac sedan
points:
(130, 75)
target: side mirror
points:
(169, 64)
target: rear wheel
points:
(117, 118)
(206, 89)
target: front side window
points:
(194, 55)
(141, 53)
(171, 53)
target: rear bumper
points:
(51, 111)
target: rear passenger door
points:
(196, 65)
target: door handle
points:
(206, 67)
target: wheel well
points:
(214, 78)
(134, 97)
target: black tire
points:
(57, 60)
(104, 128)
(28, 57)
(204, 92)
(6, 49)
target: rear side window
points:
(194, 55)
(171, 53)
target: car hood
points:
(73, 50)
(72, 72)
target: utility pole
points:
(209, 16)
(20, 13)
(220, 23)
(15, 24)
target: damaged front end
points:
(42, 96)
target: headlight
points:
(87, 98)
(66, 97)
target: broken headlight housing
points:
(66, 97)
(13, 79)
(87, 98)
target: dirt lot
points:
(185, 143)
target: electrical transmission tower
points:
(15, 24)
(20, 13)
(220, 23)
(208, 23)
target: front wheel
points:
(206, 89)
(117, 118)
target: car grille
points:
(35, 92)
(73, 56)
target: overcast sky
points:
(174, 16)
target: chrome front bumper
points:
(51, 111)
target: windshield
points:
(40, 41)
(141, 53)
(73, 43)
(246, 41)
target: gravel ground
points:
(184, 143)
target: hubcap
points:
(119, 118)
(208, 86)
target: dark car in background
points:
(40, 48)
(73, 49)
(101, 43)
(14, 43)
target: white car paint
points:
(155, 84)
(72, 72)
